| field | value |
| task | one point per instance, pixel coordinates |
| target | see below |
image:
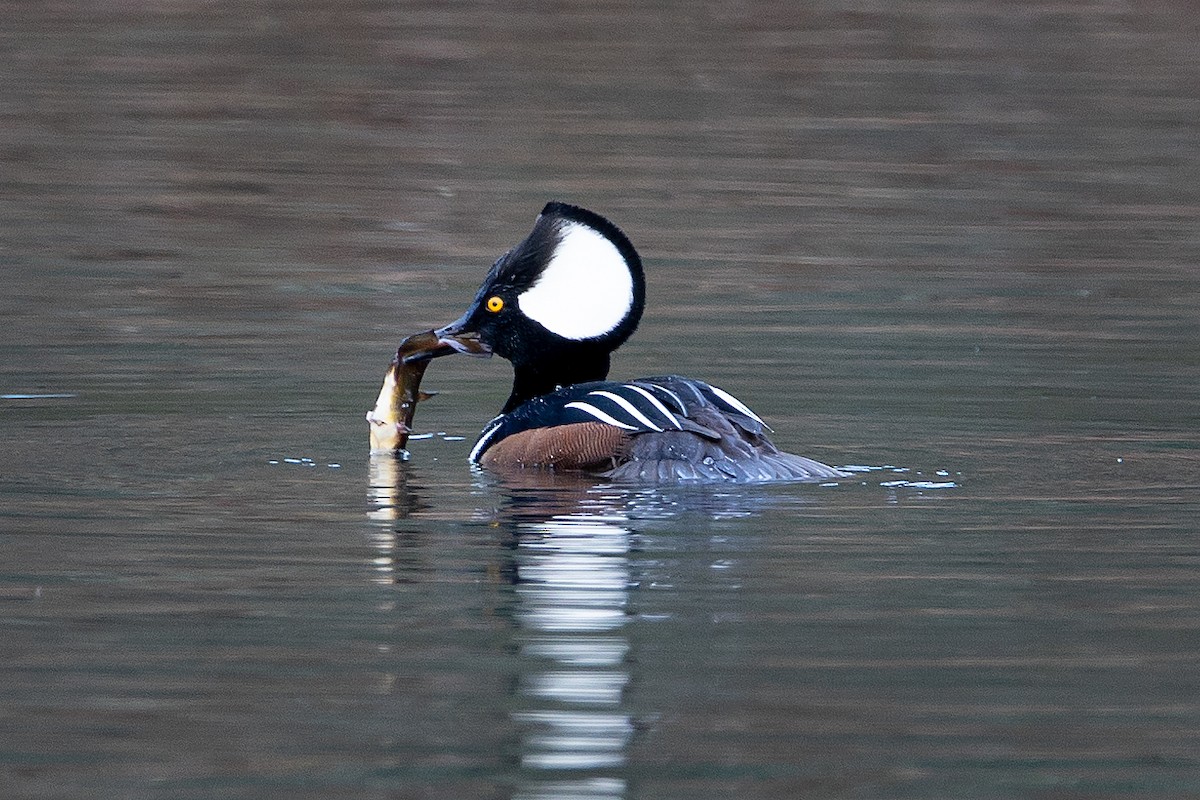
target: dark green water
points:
(956, 240)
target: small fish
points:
(391, 419)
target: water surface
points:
(955, 243)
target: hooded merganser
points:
(556, 306)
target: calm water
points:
(954, 242)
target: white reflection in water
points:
(585, 789)
(597, 652)
(573, 578)
(390, 499)
(595, 688)
(383, 487)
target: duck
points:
(556, 306)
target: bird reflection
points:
(573, 581)
(564, 551)
(560, 559)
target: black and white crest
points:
(556, 305)
(576, 275)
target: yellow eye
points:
(494, 304)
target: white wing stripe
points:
(657, 404)
(735, 404)
(678, 400)
(629, 407)
(588, 408)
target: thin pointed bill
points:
(461, 340)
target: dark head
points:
(556, 304)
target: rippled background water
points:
(954, 239)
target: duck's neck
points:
(534, 380)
